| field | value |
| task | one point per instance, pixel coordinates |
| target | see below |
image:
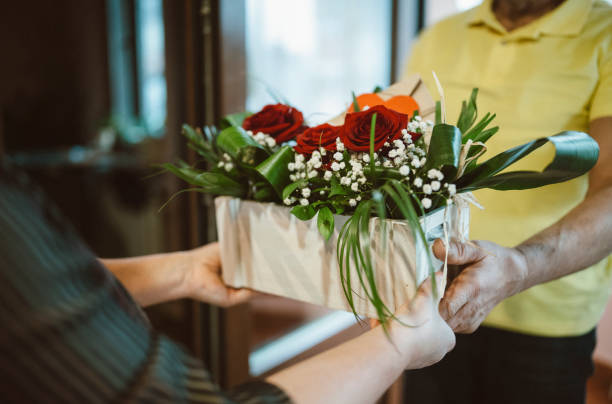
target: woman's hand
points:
(204, 281)
(425, 335)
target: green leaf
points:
(475, 133)
(575, 154)
(355, 103)
(288, 190)
(234, 140)
(337, 188)
(197, 142)
(377, 89)
(264, 194)
(444, 149)
(325, 222)
(467, 117)
(372, 133)
(275, 168)
(212, 182)
(234, 119)
(438, 120)
(303, 212)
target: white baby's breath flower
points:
(229, 167)
(327, 176)
(220, 164)
(358, 197)
(452, 189)
(293, 177)
(417, 118)
(361, 180)
(270, 142)
(339, 145)
(426, 202)
(287, 201)
(433, 173)
(323, 151)
(398, 160)
(291, 166)
(404, 170)
(299, 165)
(386, 144)
(365, 158)
(435, 185)
(338, 156)
(304, 202)
(312, 174)
(317, 164)
(342, 165)
(355, 186)
(345, 181)
(405, 132)
(423, 161)
(418, 182)
(415, 163)
(352, 202)
(305, 192)
(392, 153)
(387, 164)
(321, 192)
(299, 158)
(427, 189)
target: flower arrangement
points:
(384, 161)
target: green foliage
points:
(575, 154)
(468, 114)
(355, 103)
(444, 149)
(274, 168)
(325, 222)
(303, 212)
(234, 120)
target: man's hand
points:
(491, 274)
(204, 278)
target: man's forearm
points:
(582, 238)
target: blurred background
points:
(92, 97)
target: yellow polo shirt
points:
(551, 75)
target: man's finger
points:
(458, 253)
(457, 295)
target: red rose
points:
(282, 122)
(320, 136)
(389, 125)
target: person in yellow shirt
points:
(540, 282)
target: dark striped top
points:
(70, 333)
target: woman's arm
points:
(360, 370)
(158, 278)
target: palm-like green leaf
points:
(444, 149)
(575, 154)
(274, 169)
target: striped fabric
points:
(70, 333)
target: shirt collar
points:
(566, 20)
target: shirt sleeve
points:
(601, 106)
(71, 333)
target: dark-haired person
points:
(540, 283)
(70, 332)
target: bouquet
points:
(389, 159)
